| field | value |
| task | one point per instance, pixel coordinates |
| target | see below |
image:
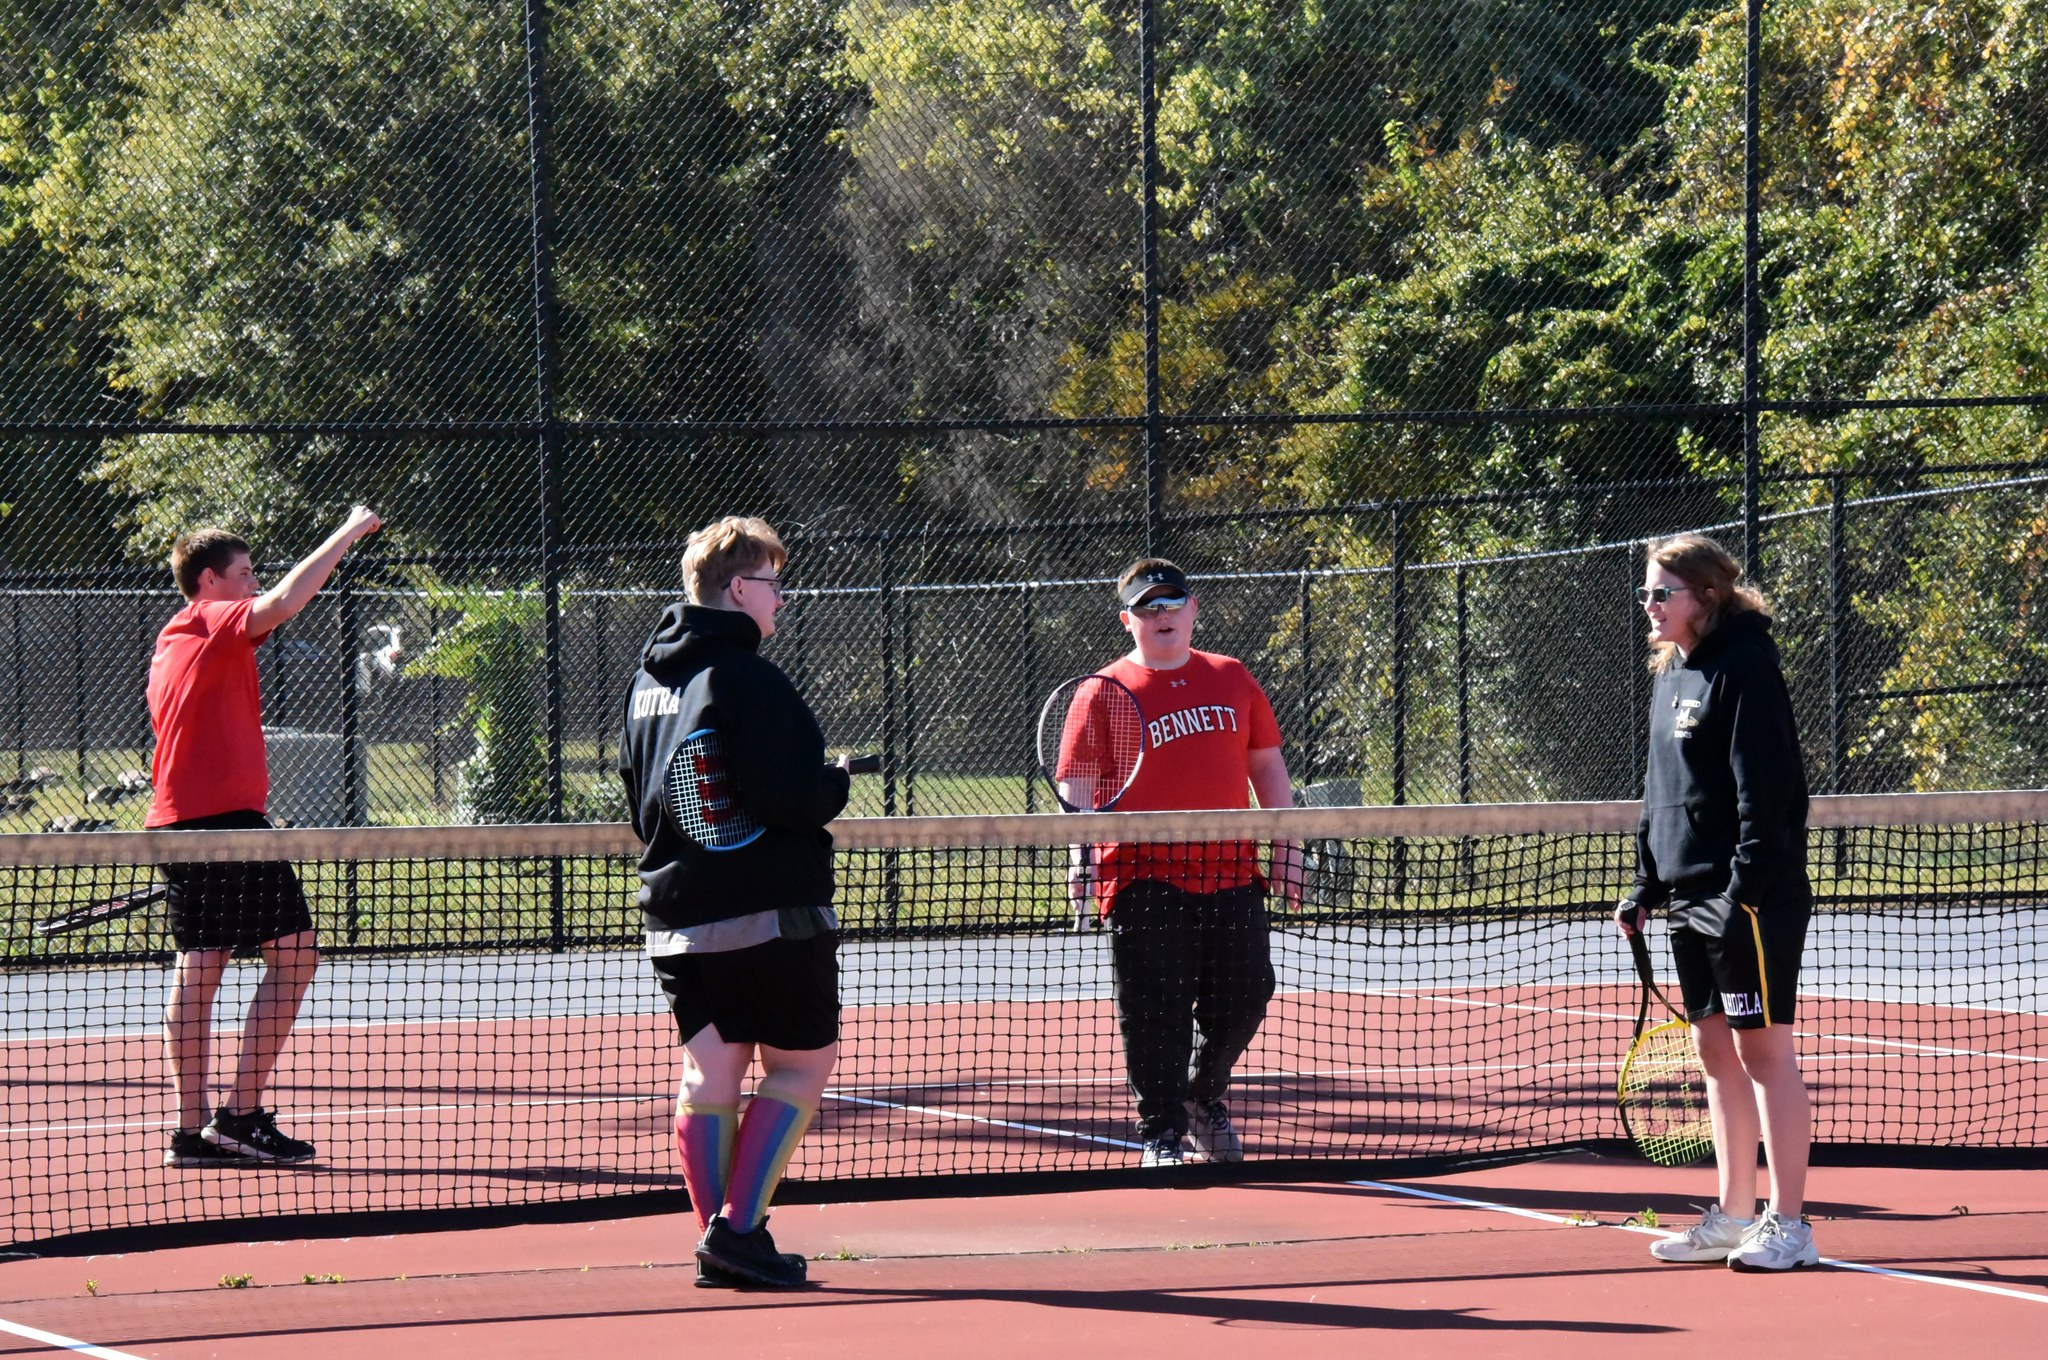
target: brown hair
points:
(1715, 577)
(200, 551)
(733, 546)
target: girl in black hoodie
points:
(743, 939)
(1722, 842)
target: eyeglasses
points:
(773, 583)
(1657, 594)
(1164, 604)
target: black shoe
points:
(710, 1276)
(255, 1136)
(751, 1257)
(188, 1148)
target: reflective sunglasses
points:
(1163, 604)
(1657, 594)
(775, 584)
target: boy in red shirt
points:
(210, 773)
(1188, 938)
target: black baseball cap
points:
(1161, 578)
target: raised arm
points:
(282, 601)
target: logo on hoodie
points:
(655, 702)
(1688, 718)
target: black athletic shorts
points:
(237, 905)
(782, 993)
(1750, 971)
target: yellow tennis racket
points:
(1663, 1090)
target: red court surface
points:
(1951, 1262)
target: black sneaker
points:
(711, 1276)
(188, 1148)
(751, 1257)
(255, 1136)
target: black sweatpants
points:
(1193, 975)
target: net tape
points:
(484, 1031)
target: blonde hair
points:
(1715, 577)
(733, 546)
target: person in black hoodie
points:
(1722, 842)
(743, 939)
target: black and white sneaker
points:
(188, 1148)
(1165, 1150)
(750, 1256)
(254, 1135)
(1212, 1133)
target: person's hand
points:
(1629, 916)
(361, 522)
(1286, 873)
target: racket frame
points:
(1062, 698)
(1665, 1150)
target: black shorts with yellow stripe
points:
(1748, 972)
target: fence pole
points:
(1311, 745)
(1752, 296)
(78, 688)
(544, 340)
(1400, 660)
(1838, 617)
(20, 694)
(1028, 664)
(350, 629)
(1148, 178)
(1464, 663)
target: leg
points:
(1234, 985)
(188, 1025)
(1732, 1106)
(289, 965)
(707, 1116)
(792, 1082)
(1153, 955)
(1771, 1064)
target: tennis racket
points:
(113, 909)
(698, 790)
(1091, 741)
(1663, 1091)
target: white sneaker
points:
(1775, 1244)
(1212, 1133)
(1711, 1239)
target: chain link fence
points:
(1400, 325)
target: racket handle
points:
(869, 764)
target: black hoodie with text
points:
(1724, 797)
(701, 668)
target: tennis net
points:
(484, 1032)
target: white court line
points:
(956, 1116)
(1540, 1217)
(62, 1343)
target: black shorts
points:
(233, 905)
(1750, 972)
(782, 993)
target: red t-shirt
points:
(207, 715)
(1202, 721)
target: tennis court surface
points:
(483, 1046)
(1489, 1260)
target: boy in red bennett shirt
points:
(210, 773)
(1188, 937)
